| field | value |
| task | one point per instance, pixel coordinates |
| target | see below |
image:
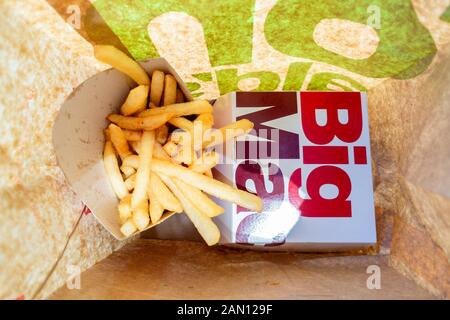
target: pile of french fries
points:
(159, 153)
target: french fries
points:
(125, 209)
(180, 96)
(155, 209)
(207, 173)
(131, 161)
(200, 199)
(171, 148)
(154, 170)
(135, 145)
(204, 225)
(226, 133)
(159, 152)
(143, 172)
(206, 162)
(141, 216)
(170, 90)
(163, 194)
(180, 137)
(107, 134)
(127, 171)
(140, 123)
(157, 87)
(119, 141)
(130, 181)
(208, 185)
(182, 123)
(180, 109)
(136, 101)
(207, 119)
(160, 192)
(119, 60)
(162, 133)
(113, 171)
(128, 228)
(185, 154)
(196, 129)
(132, 135)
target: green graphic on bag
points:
(228, 25)
(404, 48)
(405, 44)
(446, 15)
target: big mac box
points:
(307, 158)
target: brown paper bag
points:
(45, 228)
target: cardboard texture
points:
(408, 118)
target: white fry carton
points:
(78, 138)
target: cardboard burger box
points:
(308, 158)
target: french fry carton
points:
(78, 139)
